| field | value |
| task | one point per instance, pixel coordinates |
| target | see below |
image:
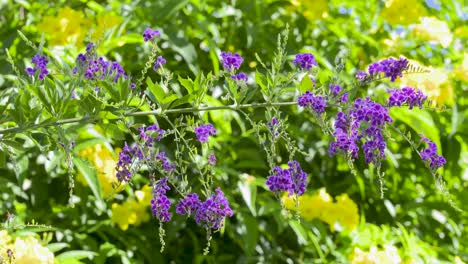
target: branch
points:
(157, 112)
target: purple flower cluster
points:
(130, 155)
(292, 180)
(160, 61)
(188, 205)
(305, 61)
(407, 95)
(390, 67)
(211, 213)
(231, 61)
(315, 102)
(212, 159)
(240, 77)
(361, 76)
(167, 166)
(365, 121)
(124, 164)
(160, 204)
(430, 155)
(335, 89)
(149, 34)
(203, 132)
(94, 68)
(40, 64)
(147, 134)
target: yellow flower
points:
(313, 10)
(403, 11)
(68, 27)
(29, 251)
(321, 206)
(133, 212)
(144, 195)
(105, 22)
(104, 162)
(433, 30)
(435, 83)
(348, 215)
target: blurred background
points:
(344, 220)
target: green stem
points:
(157, 112)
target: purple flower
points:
(212, 159)
(160, 61)
(160, 204)
(315, 102)
(430, 155)
(204, 131)
(407, 95)
(147, 134)
(335, 89)
(365, 121)
(124, 164)
(231, 61)
(149, 34)
(361, 76)
(188, 205)
(89, 47)
(98, 68)
(292, 180)
(212, 212)
(273, 127)
(40, 64)
(132, 86)
(167, 166)
(344, 98)
(305, 61)
(390, 67)
(240, 77)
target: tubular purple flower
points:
(212, 212)
(160, 204)
(231, 61)
(315, 102)
(292, 180)
(149, 34)
(203, 132)
(406, 95)
(305, 61)
(188, 205)
(430, 155)
(240, 77)
(390, 67)
(160, 61)
(40, 64)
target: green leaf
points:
(187, 84)
(54, 247)
(306, 84)
(75, 255)
(251, 235)
(90, 175)
(262, 82)
(156, 90)
(300, 232)
(249, 193)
